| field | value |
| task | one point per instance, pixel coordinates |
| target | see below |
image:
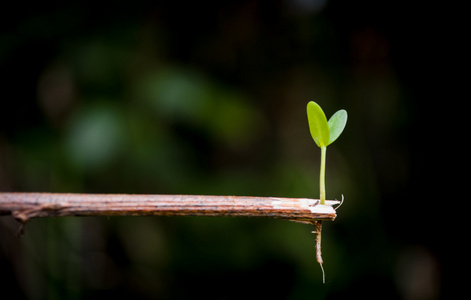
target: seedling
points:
(324, 133)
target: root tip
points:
(323, 274)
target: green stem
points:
(322, 175)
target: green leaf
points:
(318, 124)
(336, 125)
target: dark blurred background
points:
(209, 98)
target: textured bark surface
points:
(25, 206)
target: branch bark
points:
(25, 206)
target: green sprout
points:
(324, 133)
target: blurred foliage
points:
(187, 98)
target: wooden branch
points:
(25, 206)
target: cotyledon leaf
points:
(336, 124)
(318, 125)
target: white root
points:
(318, 225)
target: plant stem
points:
(322, 175)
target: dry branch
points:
(25, 206)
